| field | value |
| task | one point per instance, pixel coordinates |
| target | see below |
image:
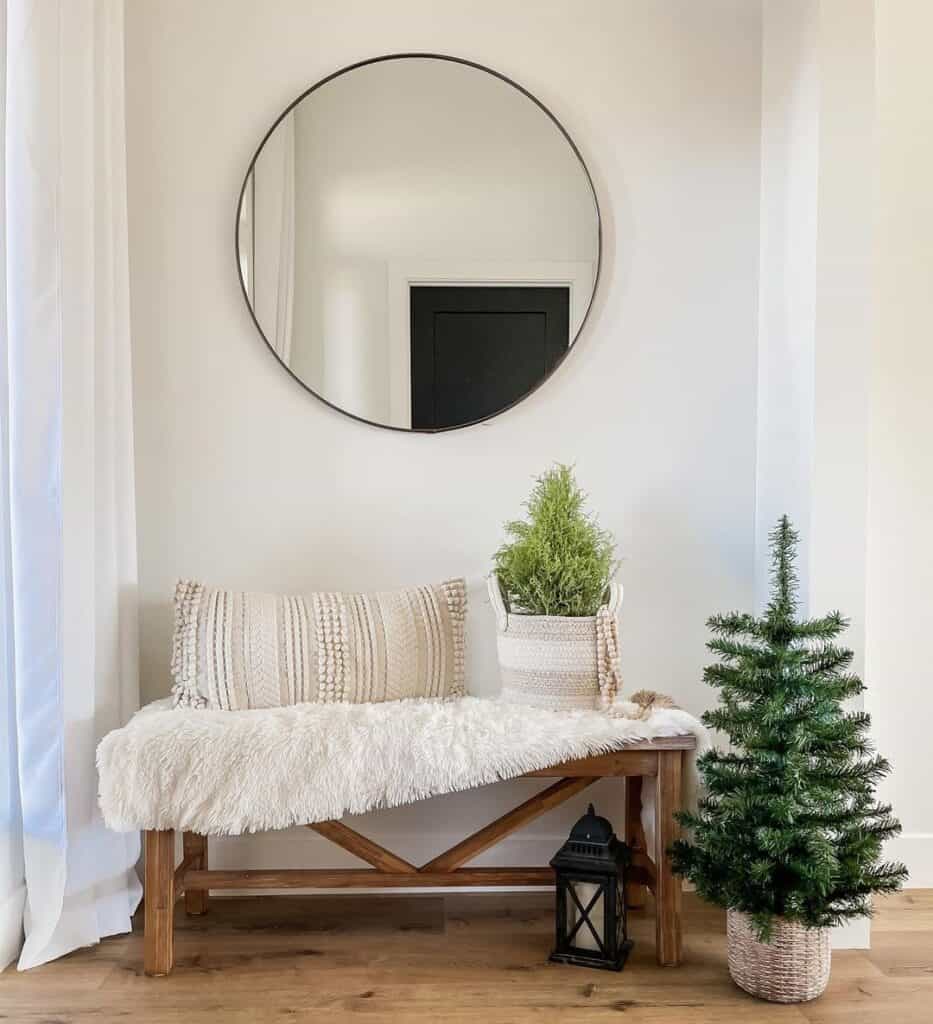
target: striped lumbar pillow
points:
(234, 650)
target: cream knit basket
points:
(792, 968)
(552, 661)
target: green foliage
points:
(558, 560)
(789, 825)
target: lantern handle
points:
(498, 603)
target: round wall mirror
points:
(418, 241)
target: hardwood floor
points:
(452, 960)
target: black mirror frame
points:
(534, 99)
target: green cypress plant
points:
(558, 561)
(789, 826)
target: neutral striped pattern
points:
(562, 663)
(550, 662)
(234, 650)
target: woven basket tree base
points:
(792, 968)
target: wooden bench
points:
(660, 760)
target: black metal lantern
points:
(591, 914)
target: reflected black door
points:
(475, 351)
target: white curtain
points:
(68, 630)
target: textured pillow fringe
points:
(456, 595)
(185, 645)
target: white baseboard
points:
(302, 848)
(852, 935)
(915, 849)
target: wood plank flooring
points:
(451, 959)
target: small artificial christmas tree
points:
(789, 827)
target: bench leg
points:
(195, 846)
(634, 836)
(667, 894)
(159, 944)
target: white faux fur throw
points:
(228, 772)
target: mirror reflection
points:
(418, 242)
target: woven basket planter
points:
(792, 968)
(550, 661)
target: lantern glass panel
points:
(585, 893)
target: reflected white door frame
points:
(577, 275)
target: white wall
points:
(815, 307)
(790, 126)
(845, 368)
(900, 513)
(244, 479)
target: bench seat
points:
(208, 773)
